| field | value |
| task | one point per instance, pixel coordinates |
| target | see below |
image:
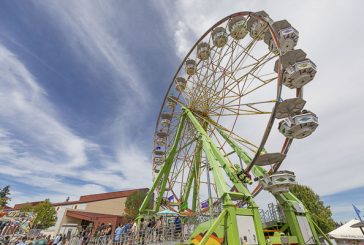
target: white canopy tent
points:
(346, 234)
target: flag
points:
(170, 199)
(357, 211)
(205, 204)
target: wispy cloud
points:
(38, 149)
(90, 29)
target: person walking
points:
(23, 241)
(159, 229)
(118, 232)
(142, 228)
(177, 226)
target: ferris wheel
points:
(241, 76)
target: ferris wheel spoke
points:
(237, 108)
(230, 64)
(187, 142)
(245, 77)
(222, 77)
(211, 61)
(204, 82)
(248, 144)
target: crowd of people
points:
(127, 233)
(36, 240)
(20, 225)
(151, 229)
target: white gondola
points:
(180, 84)
(238, 27)
(171, 102)
(257, 28)
(158, 160)
(166, 118)
(299, 126)
(287, 37)
(297, 69)
(190, 67)
(299, 74)
(219, 37)
(159, 152)
(161, 138)
(278, 182)
(203, 51)
(269, 159)
(289, 107)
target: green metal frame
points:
(217, 161)
(162, 177)
(286, 200)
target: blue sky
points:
(81, 83)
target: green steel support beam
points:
(216, 155)
(292, 198)
(187, 144)
(196, 174)
(169, 161)
(232, 227)
(163, 174)
(257, 170)
(186, 194)
(245, 157)
(217, 160)
(213, 227)
(191, 176)
(149, 196)
(285, 199)
(222, 187)
(322, 233)
(291, 217)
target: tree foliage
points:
(4, 196)
(27, 208)
(320, 213)
(133, 203)
(46, 215)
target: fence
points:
(273, 215)
(13, 235)
(164, 235)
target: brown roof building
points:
(88, 211)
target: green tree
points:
(133, 203)
(4, 196)
(46, 215)
(321, 214)
(27, 208)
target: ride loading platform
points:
(275, 226)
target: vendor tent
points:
(346, 234)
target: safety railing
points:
(162, 235)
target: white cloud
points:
(39, 150)
(89, 28)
